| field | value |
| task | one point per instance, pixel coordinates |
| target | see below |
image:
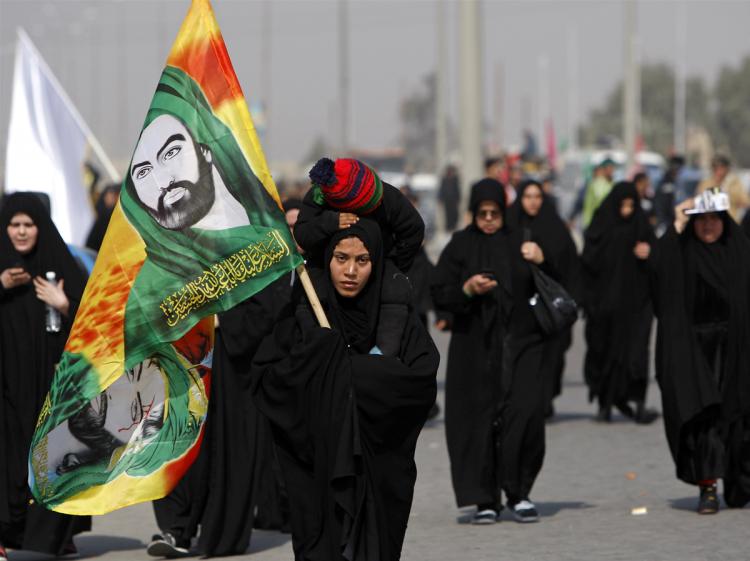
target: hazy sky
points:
(108, 55)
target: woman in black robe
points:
(494, 403)
(232, 486)
(617, 304)
(31, 246)
(534, 211)
(104, 207)
(345, 418)
(702, 302)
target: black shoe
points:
(70, 551)
(644, 416)
(485, 516)
(525, 512)
(166, 545)
(626, 410)
(604, 415)
(709, 500)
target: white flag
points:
(47, 144)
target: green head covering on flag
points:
(187, 273)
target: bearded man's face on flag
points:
(172, 175)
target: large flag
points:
(48, 142)
(198, 229)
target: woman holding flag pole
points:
(345, 418)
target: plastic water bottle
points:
(52, 319)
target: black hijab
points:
(715, 263)
(549, 231)
(687, 382)
(489, 252)
(50, 252)
(615, 278)
(103, 215)
(357, 317)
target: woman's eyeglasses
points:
(488, 214)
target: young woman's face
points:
(627, 207)
(489, 217)
(350, 267)
(708, 227)
(532, 200)
(23, 233)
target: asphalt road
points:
(593, 477)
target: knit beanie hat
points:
(347, 185)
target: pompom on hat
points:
(347, 185)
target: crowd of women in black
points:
(313, 431)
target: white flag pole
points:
(95, 145)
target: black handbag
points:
(554, 309)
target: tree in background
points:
(657, 110)
(732, 94)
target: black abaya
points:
(525, 400)
(551, 233)
(235, 483)
(473, 385)
(617, 302)
(702, 356)
(346, 422)
(495, 402)
(28, 355)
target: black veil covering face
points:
(701, 296)
(345, 422)
(27, 360)
(617, 301)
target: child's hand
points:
(347, 219)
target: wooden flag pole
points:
(312, 296)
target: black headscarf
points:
(614, 277)
(50, 252)
(489, 252)
(357, 317)
(686, 379)
(103, 214)
(486, 189)
(724, 266)
(549, 231)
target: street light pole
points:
(344, 74)
(631, 79)
(680, 87)
(470, 56)
(441, 121)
